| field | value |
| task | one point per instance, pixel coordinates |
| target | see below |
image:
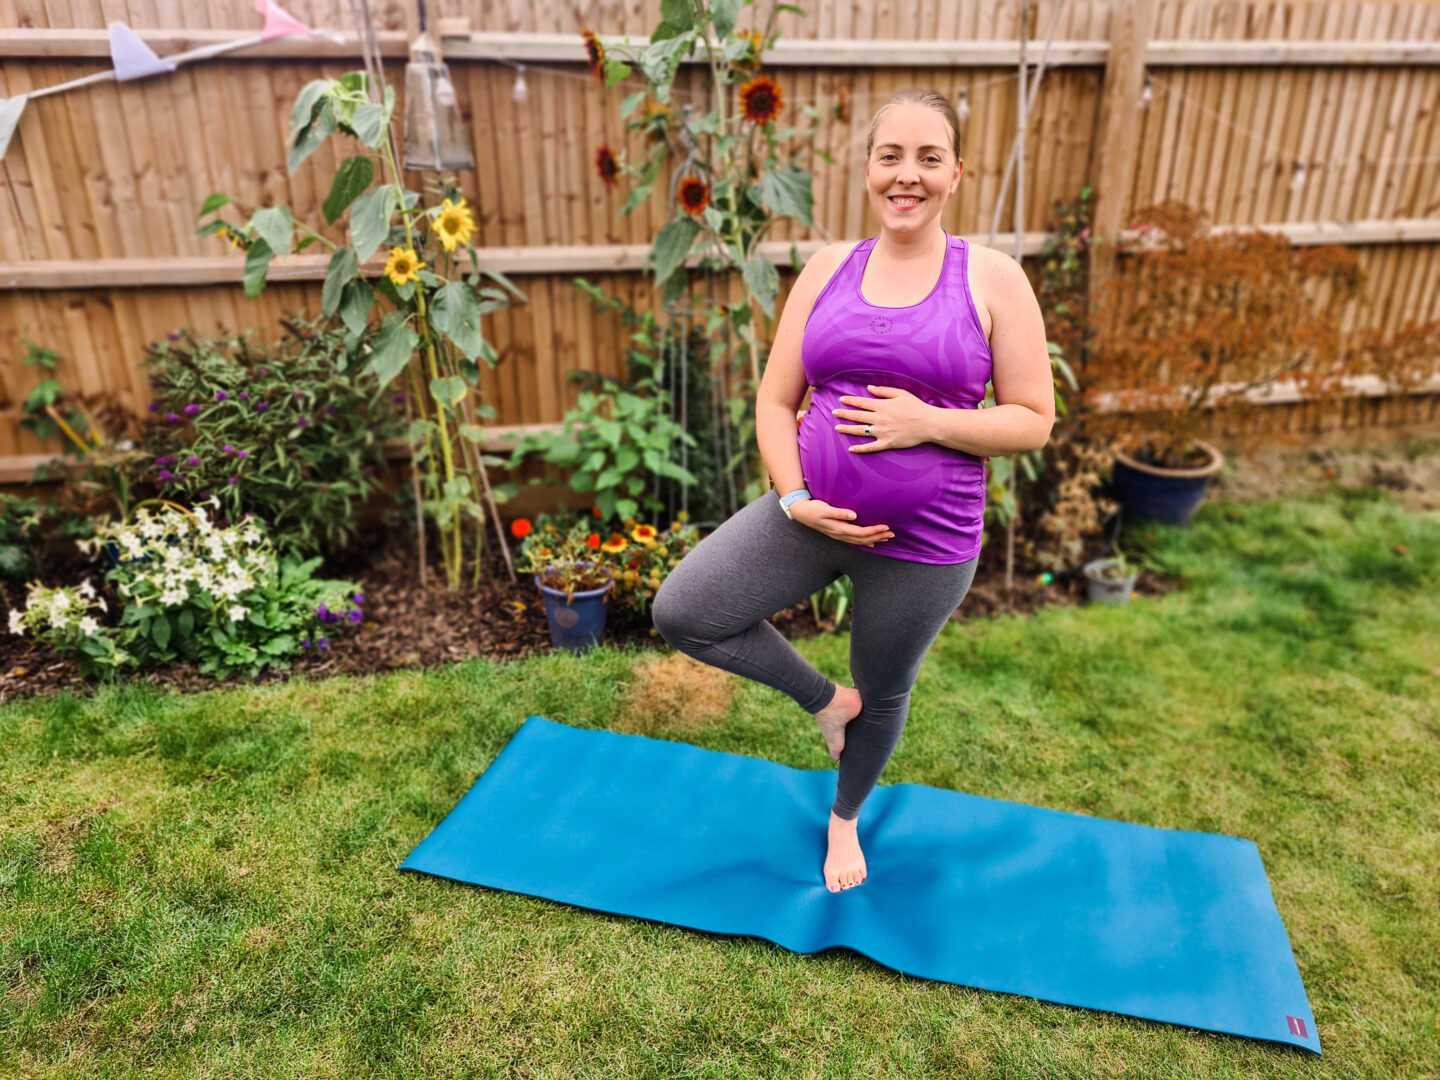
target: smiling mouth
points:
(905, 200)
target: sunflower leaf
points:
(257, 265)
(448, 390)
(630, 104)
(735, 48)
(616, 71)
(660, 60)
(369, 124)
(788, 193)
(213, 202)
(638, 195)
(370, 220)
(275, 227)
(763, 282)
(677, 13)
(672, 244)
(343, 265)
(723, 15)
(393, 348)
(455, 312)
(355, 302)
(351, 179)
(302, 112)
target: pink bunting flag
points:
(132, 58)
(278, 21)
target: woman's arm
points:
(1024, 410)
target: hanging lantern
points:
(434, 135)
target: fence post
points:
(1118, 134)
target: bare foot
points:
(844, 864)
(832, 719)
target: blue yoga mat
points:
(1157, 923)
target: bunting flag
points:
(10, 110)
(278, 21)
(133, 59)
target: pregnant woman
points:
(884, 479)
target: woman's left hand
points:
(897, 418)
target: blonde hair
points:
(931, 100)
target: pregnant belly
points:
(926, 488)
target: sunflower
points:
(656, 118)
(694, 194)
(606, 165)
(453, 224)
(644, 534)
(760, 99)
(402, 265)
(594, 53)
(615, 544)
(224, 233)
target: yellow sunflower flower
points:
(453, 225)
(403, 265)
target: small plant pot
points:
(1169, 496)
(576, 623)
(1105, 590)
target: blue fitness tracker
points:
(786, 501)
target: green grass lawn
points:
(205, 886)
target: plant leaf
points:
(257, 265)
(672, 244)
(370, 220)
(275, 227)
(351, 178)
(788, 193)
(763, 282)
(723, 14)
(450, 389)
(369, 124)
(303, 110)
(213, 202)
(356, 300)
(455, 312)
(343, 265)
(393, 348)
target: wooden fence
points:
(1318, 117)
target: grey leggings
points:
(715, 604)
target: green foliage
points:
(19, 530)
(303, 438)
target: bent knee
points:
(670, 614)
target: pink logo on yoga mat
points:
(1297, 1027)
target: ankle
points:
(837, 822)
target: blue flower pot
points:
(1169, 496)
(579, 623)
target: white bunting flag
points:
(10, 110)
(133, 59)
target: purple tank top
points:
(931, 496)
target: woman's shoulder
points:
(992, 276)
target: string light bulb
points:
(1297, 178)
(962, 107)
(1146, 94)
(519, 94)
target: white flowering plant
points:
(218, 596)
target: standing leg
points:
(715, 604)
(899, 609)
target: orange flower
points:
(644, 534)
(594, 53)
(760, 99)
(694, 194)
(593, 540)
(606, 165)
(615, 544)
(520, 527)
(596, 511)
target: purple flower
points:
(172, 418)
(398, 399)
(304, 421)
(166, 474)
(242, 453)
(260, 406)
(191, 410)
(154, 406)
(192, 460)
(173, 336)
(221, 395)
(244, 395)
(261, 371)
(234, 480)
(154, 383)
(204, 495)
(227, 449)
(305, 644)
(162, 460)
(299, 394)
(323, 643)
(323, 611)
(359, 598)
(356, 615)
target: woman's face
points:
(912, 169)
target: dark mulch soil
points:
(410, 626)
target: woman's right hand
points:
(835, 523)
